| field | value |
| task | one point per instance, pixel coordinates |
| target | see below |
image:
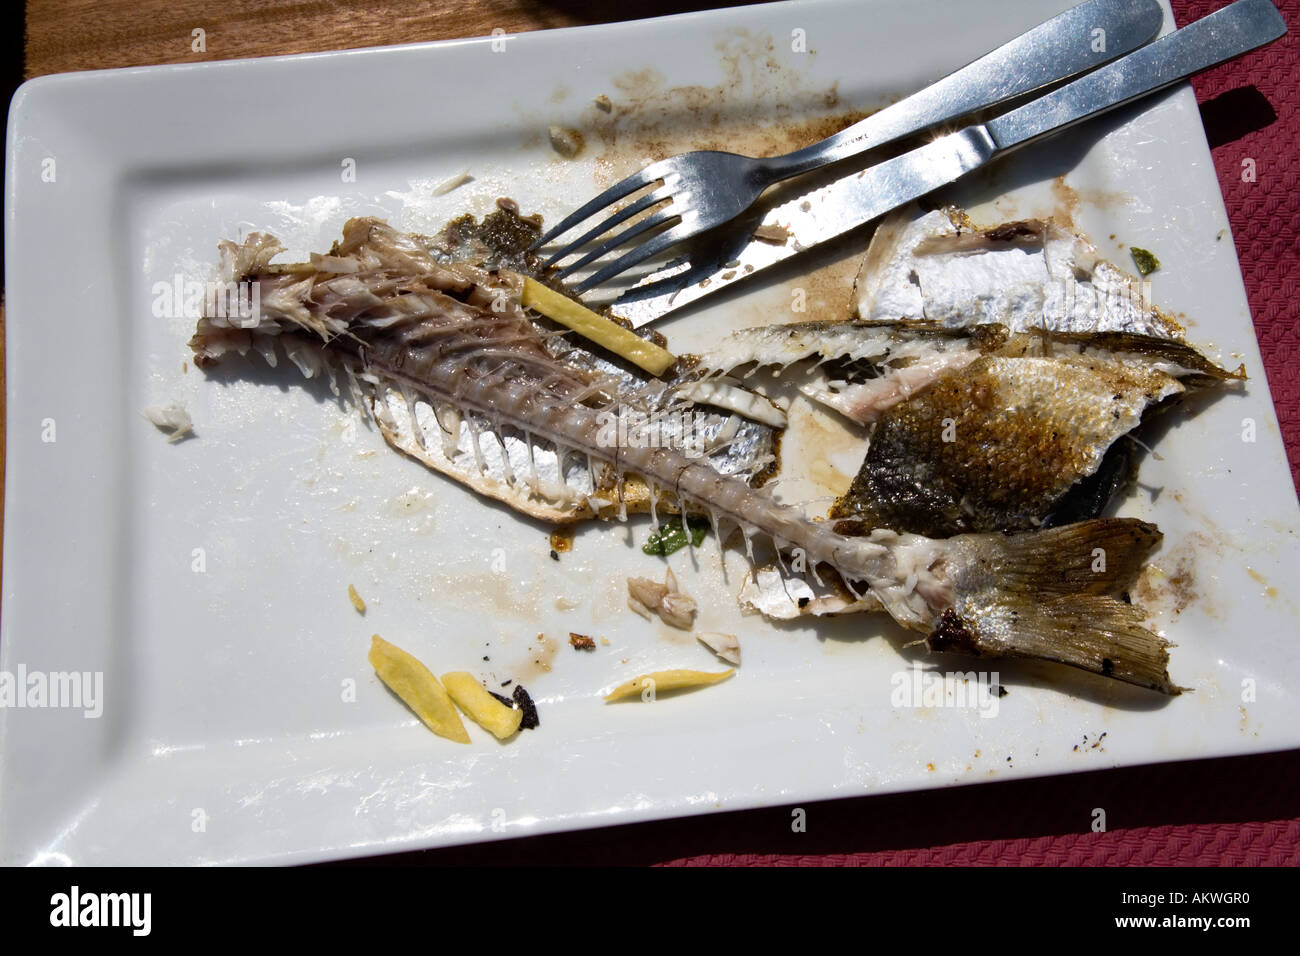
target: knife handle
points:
(1224, 34)
(1052, 51)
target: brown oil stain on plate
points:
(817, 447)
(760, 108)
(537, 659)
(1066, 201)
(1168, 585)
(498, 591)
(1269, 590)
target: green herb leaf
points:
(671, 537)
(1145, 261)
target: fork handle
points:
(1054, 50)
(1224, 34)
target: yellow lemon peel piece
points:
(662, 681)
(355, 598)
(600, 330)
(480, 706)
(418, 688)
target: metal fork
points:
(706, 188)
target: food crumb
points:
(772, 233)
(581, 642)
(605, 641)
(726, 646)
(565, 141)
(671, 538)
(526, 704)
(171, 418)
(673, 607)
(603, 103)
(355, 598)
(1146, 262)
(452, 182)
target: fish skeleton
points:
(403, 327)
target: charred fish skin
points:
(977, 429)
(383, 311)
(995, 445)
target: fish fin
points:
(1098, 556)
(1092, 632)
(1055, 595)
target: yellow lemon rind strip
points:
(356, 600)
(598, 329)
(663, 681)
(480, 706)
(418, 688)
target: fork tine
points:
(659, 243)
(649, 222)
(627, 212)
(613, 194)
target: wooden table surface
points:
(67, 35)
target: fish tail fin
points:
(1098, 556)
(1059, 595)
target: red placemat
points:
(1250, 112)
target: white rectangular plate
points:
(206, 580)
